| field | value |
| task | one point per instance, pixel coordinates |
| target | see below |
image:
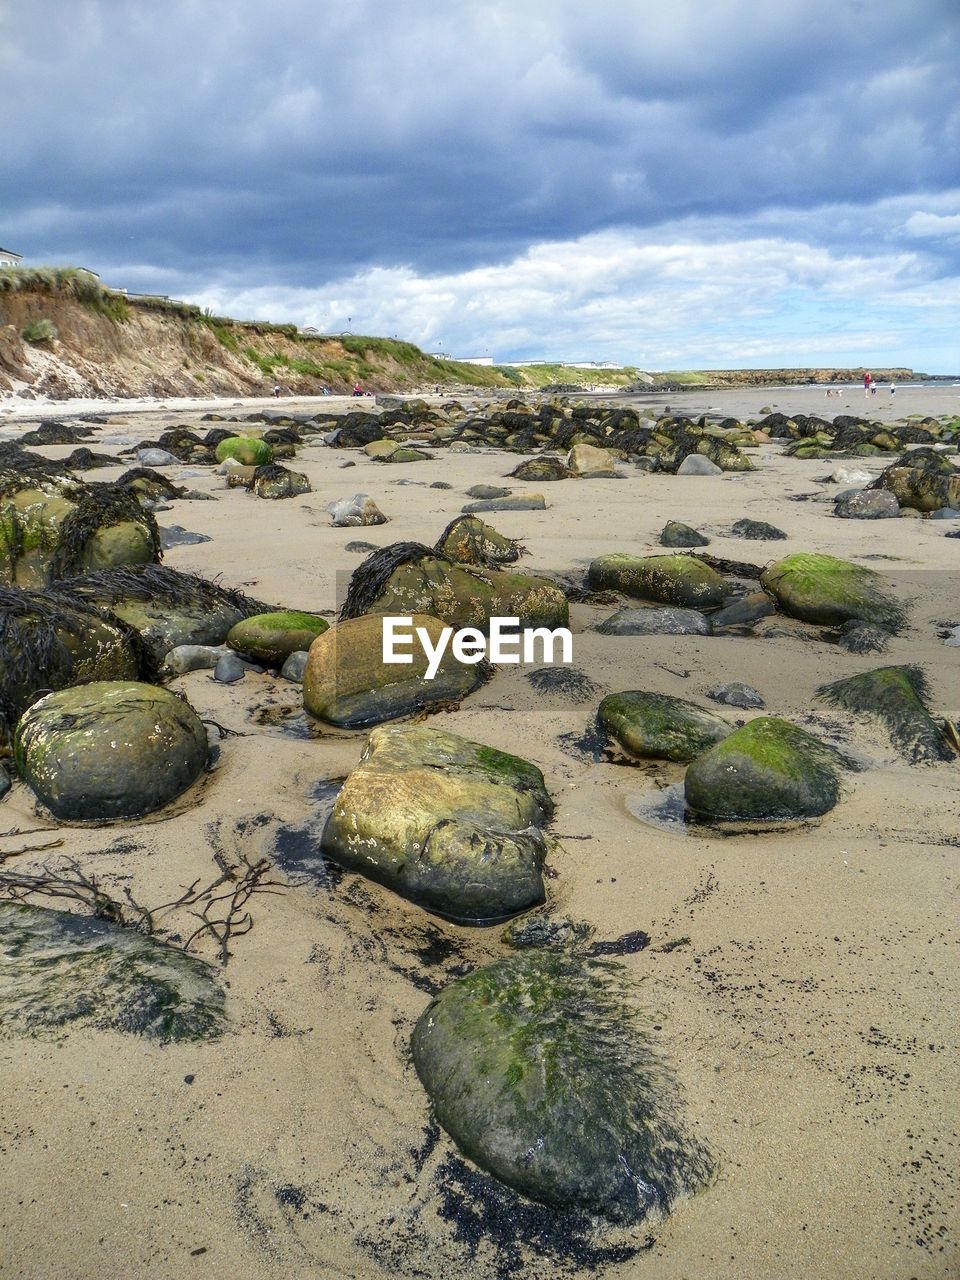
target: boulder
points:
(736, 694)
(487, 491)
(743, 612)
(922, 480)
(767, 771)
(246, 450)
(358, 510)
(660, 727)
(588, 462)
(110, 749)
(270, 638)
(895, 696)
(541, 469)
(450, 824)
(467, 540)
(676, 534)
(272, 481)
(407, 578)
(381, 449)
(347, 683)
(295, 667)
(867, 504)
(183, 658)
(62, 969)
(823, 589)
(694, 464)
(516, 502)
(757, 531)
(679, 580)
(542, 1071)
(656, 622)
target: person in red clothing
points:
(867, 379)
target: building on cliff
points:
(9, 259)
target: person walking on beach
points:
(867, 379)
(893, 388)
(276, 391)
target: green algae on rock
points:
(767, 771)
(679, 579)
(272, 637)
(164, 606)
(109, 749)
(407, 577)
(272, 481)
(468, 540)
(542, 1072)
(347, 683)
(247, 450)
(922, 480)
(49, 641)
(822, 589)
(895, 695)
(58, 969)
(658, 726)
(450, 824)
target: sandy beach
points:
(807, 998)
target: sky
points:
(663, 183)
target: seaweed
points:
(147, 582)
(896, 696)
(371, 576)
(155, 478)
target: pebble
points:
(194, 657)
(229, 669)
(176, 536)
(736, 694)
(295, 666)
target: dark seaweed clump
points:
(371, 576)
(158, 583)
(98, 506)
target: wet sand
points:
(803, 983)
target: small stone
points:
(695, 464)
(945, 513)
(361, 548)
(176, 536)
(5, 783)
(744, 612)
(736, 694)
(487, 491)
(358, 510)
(349, 463)
(441, 484)
(229, 669)
(193, 657)
(295, 666)
(516, 502)
(157, 458)
(677, 534)
(655, 622)
(867, 504)
(757, 531)
(849, 475)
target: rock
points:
(952, 638)
(540, 930)
(407, 578)
(487, 491)
(272, 637)
(295, 666)
(895, 696)
(361, 548)
(588, 462)
(176, 536)
(62, 969)
(767, 771)
(678, 580)
(540, 469)
(229, 669)
(110, 749)
(867, 504)
(157, 458)
(440, 484)
(945, 513)
(676, 534)
(694, 464)
(275, 482)
(757, 531)
(358, 510)
(541, 1070)
(5, 783)
(660, 727)
(743, 612)
(347, 683)
(381, 449)
(922, 480)
(736, 694)
(820, 588)
(655, 622)
(467, 540)
(50, 641)
(193, 657)
(450, 824)
(165, 607)
(246, 450)
(849, 475)
(516, 502)
(861, 637)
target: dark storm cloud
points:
(306, 137)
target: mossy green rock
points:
(542, 1072)
(660, 727)
(275, 482)
(272, 637)
(545, 468)
(450, 824)
(895, 696)
(59, 970)
(246, 450)
(767, 771)
(347, 683)
(110, 749)
(48, 642)
(468, 596)
(164, 606)
(468, 540)
(681, 580)
(822, 589)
